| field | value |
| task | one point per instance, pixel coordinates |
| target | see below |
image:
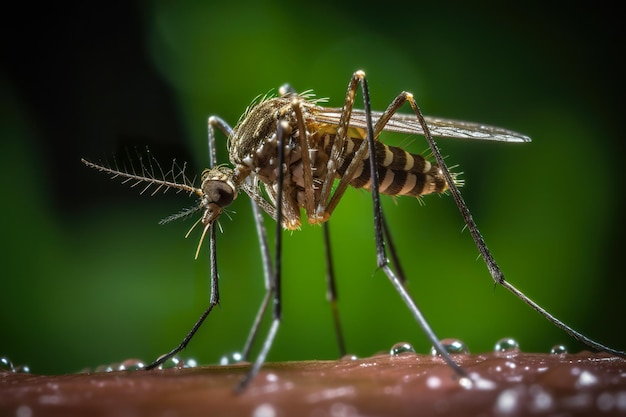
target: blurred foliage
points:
(88, 277)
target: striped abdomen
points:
(399, 172)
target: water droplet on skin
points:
(115, 366)
(173, 362)
(349, 357)
(104, 368)
(558, 350)
(401, 348)
(131, 365)
(231, 358)
(6, 365)
(22, 368)
(507, 344)
(452, 346)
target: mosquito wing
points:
(404, 123)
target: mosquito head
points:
(218, 191)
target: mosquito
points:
(293, 156)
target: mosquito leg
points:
(331, 295)
(383, 263)
(214, 122)
(392, 250)
(254, 330)
(213, 301)
(336, 160)
(326, 206)
(492, 266)
(268, 273)
(307, 168)
(283, 131)
(575, 334)
(183, 344)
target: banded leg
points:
(326, 203)
(303, 138)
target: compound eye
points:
(218, 192)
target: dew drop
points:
(349, 357)
(231, 358)
(401, 348)
(452, 346)
(507, 344)
(558, 350)
(6, 365)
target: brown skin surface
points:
(510, 383)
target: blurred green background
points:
(89, 277)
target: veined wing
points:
(405, 123)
